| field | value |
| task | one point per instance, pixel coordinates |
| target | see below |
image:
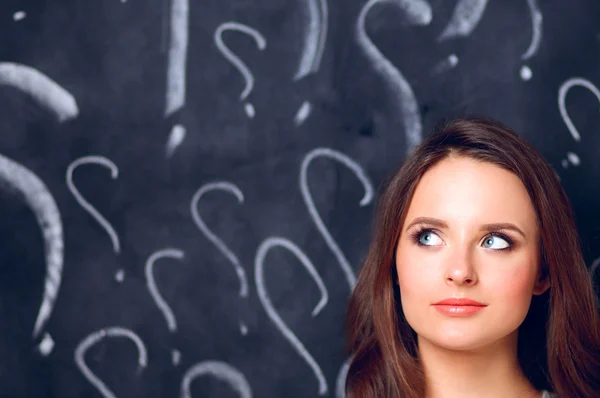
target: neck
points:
(491, 371)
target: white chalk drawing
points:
(176, 69)
(19, 15)
(46, 345)
(314, 214)
(41, 88)
(62, 104)
(340, 385)
(157, 297)
(316, 36)
(233, 189)
(239, 270)
(120, 275)
(250, 111)
(93, 339)
(446, 64)
(114, 173)
(303, 113)
(178, 43)
(465, 18)
(418, 12)
(526, 73)
(175, 139)
(572, 158)
(562, 94)
(314, 45)
(42, 203)
(261, 43)
(219, 370)
(536, 26)
(259, 275)
(536, 38)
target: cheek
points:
(417, 273)
(413, 279)
(416, 282)
(515, 287)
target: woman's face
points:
(458, 257)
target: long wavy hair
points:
(559, 340)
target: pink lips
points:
(458, 306)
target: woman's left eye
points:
(494, 238)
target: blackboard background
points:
(112, 57)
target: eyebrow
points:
(485, 227)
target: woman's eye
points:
(498, 240)
(493, 241)
(426, 238)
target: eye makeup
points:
(418, 233)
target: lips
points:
(456, 302)
(458, 306)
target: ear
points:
(542, 284)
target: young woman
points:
(474, 284)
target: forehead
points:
(467, 191)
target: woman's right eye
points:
(425, 238)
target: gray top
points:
(547, 394)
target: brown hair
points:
(559, 340)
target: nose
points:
(460, 269)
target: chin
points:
(460, 344)
(459, 339)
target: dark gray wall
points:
(136, 111)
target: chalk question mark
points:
(340, 384)
(314, 45)
(41, 201)
(219, 370)
(176, 73)
(261, 43)
(314, 214)
(259, 276)
(465, 18)
(157, 297)
(93, 339)
(175, 93)
(41, 88)
(314, 42)
(562, 94)
(239, 270)
(419, 13)
(536, 37)
(114, 173)
(61, 103)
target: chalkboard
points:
(188, 186)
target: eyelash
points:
(416, 236)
